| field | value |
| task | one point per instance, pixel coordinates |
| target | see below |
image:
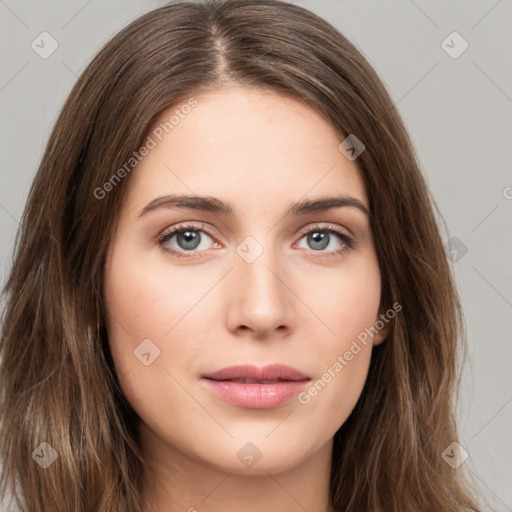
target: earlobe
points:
(383, 326)
(380, 336)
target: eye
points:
(188, 238)
(332, 237)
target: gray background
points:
(458, 111)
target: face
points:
(277, 297)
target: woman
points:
(230, 290)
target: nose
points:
(259, 298)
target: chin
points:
(261, 456)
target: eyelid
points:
(325, 226)
(183, 226)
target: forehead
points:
(246, 145)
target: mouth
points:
(252, 381)
(256, 388)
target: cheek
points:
(348, 308)
(345, 301)
(149, 314)
(147, 298)
(148, 305)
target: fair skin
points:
(299, 303)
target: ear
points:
(383, 324)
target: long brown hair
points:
(57, 379)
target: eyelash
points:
(349, 242)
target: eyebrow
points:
(214, 205)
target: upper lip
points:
(273, 372)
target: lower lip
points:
(255, 396)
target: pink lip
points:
(258, 392)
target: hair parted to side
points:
(57, 378)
